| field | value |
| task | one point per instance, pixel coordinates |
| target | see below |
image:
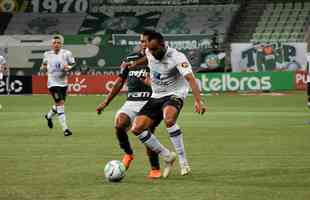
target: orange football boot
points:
(154, 173)
(127, 158)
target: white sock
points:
(153, 143)
(52, 112)
(62, 117)
(176, 138)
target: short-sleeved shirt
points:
(137, 89)
(2, 63)
(167, 75)
(55, 67)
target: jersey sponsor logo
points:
(139, 94)
(138, 74)
(184, 65)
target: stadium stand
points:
(45, 23)
(284, 22)
(271, 21)
(188, 19)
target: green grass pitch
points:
(244, 148)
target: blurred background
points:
(233, 45)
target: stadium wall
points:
(208, 82)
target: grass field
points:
(244, 148)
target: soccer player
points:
(170, 73)
(3, 66)
(139, 91)
(308, 79)
(58, 62)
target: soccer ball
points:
(114, 171)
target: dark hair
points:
(156, 36)
(56, 37)
(147, 32)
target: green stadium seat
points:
(260, 29)
(271, 24)
(289, 5)
(298, 5)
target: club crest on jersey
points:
(184, 65)
(157, 75)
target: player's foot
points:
(127, 158)
(67, 132)
(154, 173)
(49, 122)
(168, 164)
(185, 170)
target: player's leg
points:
(122, 123)
(308, 94)
(60, 107)
(153, 157)
(171, 111)
(140, 128)
(53, 111)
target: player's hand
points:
(128, 65)
(146, 80)
(200, 107)
(125, 65)
(101, 107)
(67, 67)
(43, 68)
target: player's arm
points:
(199, 105)
(70, 61)
(43, 67)
(135, 64)
(185, 68)
(118, 85)
(3, 68)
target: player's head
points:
(144, 39)
(156, 45)
(57, 43)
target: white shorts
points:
(131, 109)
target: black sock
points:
(124, 141)
(153, 158)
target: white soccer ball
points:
(114, 171)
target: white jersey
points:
(55, 67)
(167, 75)
(2, 61)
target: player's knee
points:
(60, 103)
(122, 122)
(169, 122)
(137, 128)
(120, 125)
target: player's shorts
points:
(154, 107)
(308, 89)
(131, 109)
(58, 93)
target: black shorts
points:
(154, 107)
(58, 93)
(308, 89)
